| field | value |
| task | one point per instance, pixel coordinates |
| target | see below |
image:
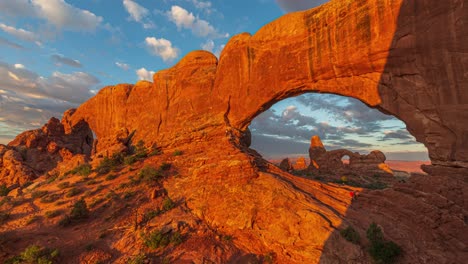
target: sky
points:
(56, 54)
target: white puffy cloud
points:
(144, 74)
(184, 19)
(296, 5)
(123, 66)
(19, 33)
(162, 48)
(56, 12)
(138, 13)
(63, 15)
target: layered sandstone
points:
(405, 58)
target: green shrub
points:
(138, 259)
(130, 160)
(227, 238)
(82, 170)
(32, 219)
(73, 192)
(52, 214)
(351, 235)
(165, 166)
(151, 214)
(156, 239)
(178, 153)
(382, 251)
(128, 195)
(4, 190)
(176, 238)
(38, 194)
(63, 185)
(141, 151)
(110, 164)
(79, 210)
(50, 198)
(149, 174)
(168, 204)
(34, 254)
(111, 177)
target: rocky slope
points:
(403, 57)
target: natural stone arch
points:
(380, 52)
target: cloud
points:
(184, 19)
(206, 6)
(73, 88)
(28, 100)
(61, 60)
(398, 134)
(162, 48)
(17, 8)
(209, 45)
(144, 74)
(138, 13)
(123, 66)
(19, 33)
(56, 12)
(65, 16)
(296, 5)
(6, 42)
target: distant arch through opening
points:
(284, 131)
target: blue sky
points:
(55, 54)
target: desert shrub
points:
(79, 210)
(176, 238)
(50, 198)
(4, 190)
(129, 160)
(34, 254)
(4, 217)
(226, 238)
(344, 179)
(178, 153)
(111, 177)
(149, 174)
(26, 184)
(38, 194)
(128, 195)
(92, 182)
(155, 152)
(52, 179)
(32, 219)
(151, 214)
(269, 258)
(52, 214)
(351, 235)
(96, 201)
(73, 192)
(156, 239)
(168, 204)
(141, 151)
(82, 170)
(382, 251)
(138, 259)
(110, 164)
(63, 185)
(165, 166)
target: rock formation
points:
(286, 165)
(300, 164)
(330, 162)
(35, 152)
(405, 58)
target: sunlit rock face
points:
(405, 58)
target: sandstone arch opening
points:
(345, 125)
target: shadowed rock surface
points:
(406, 58)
